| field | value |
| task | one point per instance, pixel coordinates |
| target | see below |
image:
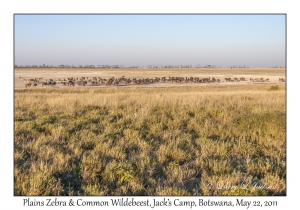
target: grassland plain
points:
(200, 140)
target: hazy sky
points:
(251, 40)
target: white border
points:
(8, 8)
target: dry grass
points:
(150, 141)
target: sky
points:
(141, 40)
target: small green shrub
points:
(274, 87)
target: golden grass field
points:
(170, 140)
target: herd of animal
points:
(97, 81)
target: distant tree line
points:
(121, 66)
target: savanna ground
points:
(171, 140)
